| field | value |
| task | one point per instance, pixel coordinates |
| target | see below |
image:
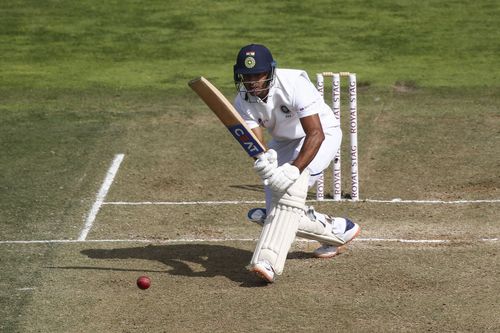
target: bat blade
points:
(228, 115)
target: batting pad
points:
(317, 230)
(281, 225)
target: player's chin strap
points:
(281, 224)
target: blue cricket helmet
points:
(253, 59)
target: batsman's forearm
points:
(310, 148)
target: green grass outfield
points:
(161, 44)
(81, 81)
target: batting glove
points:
(283, 177)
(265, 165)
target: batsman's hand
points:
(265, 165)
(283, 177)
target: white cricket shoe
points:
(264, 270)
(257, 215)
(326, 251)
(343, 228)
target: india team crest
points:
(285, 109)
(250, 62)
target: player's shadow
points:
(192, 260)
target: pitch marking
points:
(241, 202)
(101, 195)
(221, 240)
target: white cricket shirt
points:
(291, 97)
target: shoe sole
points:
(262, 273)
(340, 249)
(331, 254)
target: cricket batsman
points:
(305, 138)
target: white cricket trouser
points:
(289, 150)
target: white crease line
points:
(397, 200)
(431, 241)
(221, 240)
(181, 203)
(101, 195)
(236, 202)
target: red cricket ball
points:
(143, 282)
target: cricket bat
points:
(228, 115)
